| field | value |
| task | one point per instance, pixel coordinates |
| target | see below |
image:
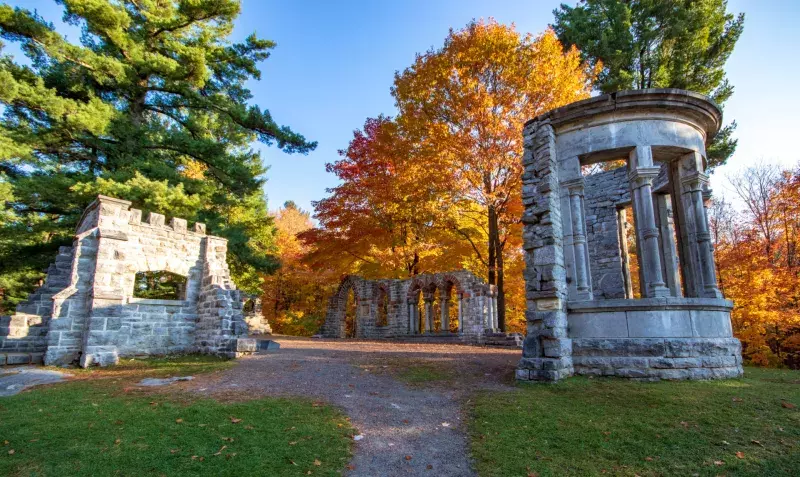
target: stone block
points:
(598, 325)
(18, 358)
(641, 347)
(557, 348)
(659, 324)
(711, 324)
(178, 225)
(156, 220)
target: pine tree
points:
(658, 44)
(150, 107)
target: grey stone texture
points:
(85, 312)
(409, 305)
(581, 313)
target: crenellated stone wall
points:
(86, 310)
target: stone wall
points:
(476, 302)
(86, 306)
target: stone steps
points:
(505, 340)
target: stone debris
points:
(163, 381)
(268, 345)
(18, 379)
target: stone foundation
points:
(85, 312)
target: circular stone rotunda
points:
(596, 306)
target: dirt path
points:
(407, 430)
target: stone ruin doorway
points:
(350, 321)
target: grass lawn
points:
(748, 426)
(99, 424)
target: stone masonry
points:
(410, 307)
(582, 315)
(85, 312)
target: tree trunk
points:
(501, 294)
(492, 246)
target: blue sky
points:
(335, 62)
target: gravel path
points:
(406, 430)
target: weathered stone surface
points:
(403, 308)
(85, 309)
(576, 231)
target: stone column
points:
(622, 236)
(410, 308)
(669, 265)
(428, 314)
(445, 314)
(580, 250)
(460, 315)
(693, 182)
(641, 173)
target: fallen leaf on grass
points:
(228, 439)
(178, 421)
(117, 441)
(293, 443)
(219, 452)
(718, 462)
(235, 420)
(740, 455)
(317, 462)
(787, 405)
(757, 443)
(292, 462)
(737, 399)
(249, 428)
(11, 452)
(685, 424)
(172, 451)
(648, 459)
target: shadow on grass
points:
(99, 427)
(748, 426)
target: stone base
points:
(663, 358)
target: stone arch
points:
(335, 321)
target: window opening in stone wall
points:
(628, 253)
(452, 308)
(419, 310)
(600, 167)
(383, 308)
(436, 310)
(350, 314)
(159, 285)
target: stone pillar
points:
(641, 173)
(445, 314)
(546, 351)
(428, 314)
(577, 238)
(622, 237)
(460, 315)
(669, 264)
(692, 185)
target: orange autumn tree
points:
(379, 222)
(463, 106)
(757, 263)
(295, 297)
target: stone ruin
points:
(467, 308)
(584, 316)
(85, 311)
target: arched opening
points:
(451, 302)
(382, 318)
(159, 285)
(350, 315)
(415, 309)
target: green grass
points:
(615, 427)
(420, 373)
(172, 365)
(99, 425)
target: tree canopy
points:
(150, 106)
(657, 44)
(438, 186)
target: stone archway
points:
(343, 321)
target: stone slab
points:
(21, 378)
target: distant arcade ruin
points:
(86, 311)
(584, 316)
(454, 304)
